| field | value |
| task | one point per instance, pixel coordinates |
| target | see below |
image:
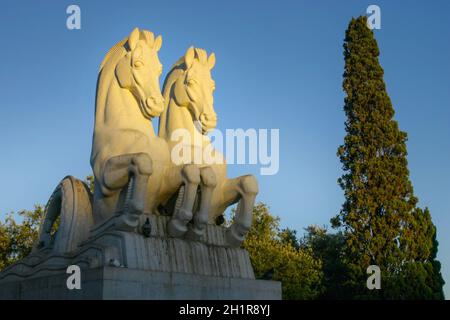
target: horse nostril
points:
(158, 99)
(208, 117)
(211, 117)
(155, 100)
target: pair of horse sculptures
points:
(135, 175)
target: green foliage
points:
(328, 248)
(380, 219)
(289, 237)
(272, 249)
(89, 180)
(435, 281)
(17, 239)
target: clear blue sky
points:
(279, 65)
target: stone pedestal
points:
(126, 265)
(124, 283)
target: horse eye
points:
(138, 64)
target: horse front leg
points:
(132, 170)
(177, 226)
(244, 190)
(208, 183)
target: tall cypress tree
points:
(380, 218)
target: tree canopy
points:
(381, 221)
(277, 252)
(17, 237)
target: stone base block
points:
(112, 283)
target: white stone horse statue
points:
(132, 167)
(188, 93)
(134, 173)
(125, 151)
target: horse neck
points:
(175, 117)
(116, 108)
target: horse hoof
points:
(176, 228)
(127, 222)
(135, 208)
(196, 234)
(233, 239)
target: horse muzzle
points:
(154, 106)
(208, 121)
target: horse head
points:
(139, 70)
(194, 88)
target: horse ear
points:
(133, 39)
(189, 57)
(211, 61)
(149, 37)
(158, 43)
